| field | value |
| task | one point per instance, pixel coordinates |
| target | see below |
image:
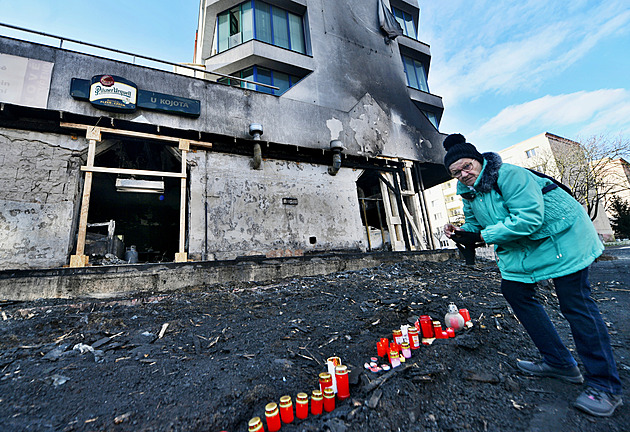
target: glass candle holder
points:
(325, 380)
(329, 399)
(317, 402)
(286, 409)
(272, 416)
(255, 425)
(343, 386)
(301, 405)
(414, 338)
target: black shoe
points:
(542, 369)
(597, 402)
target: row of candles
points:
(335, 381)
(322, 399)
(408, 338)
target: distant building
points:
(296, 129)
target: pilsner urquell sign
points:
(113, 92)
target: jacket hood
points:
(490, 173)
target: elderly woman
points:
(539, 232)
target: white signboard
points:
(24, 81)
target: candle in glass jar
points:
(286, 409)
(427, 326)
(381, 349)
(317, 402)
(301, 405)
(437, 329)
(272, 415)
(414, 339)
(394, 359)
(255, 425)
(406, 350)
(343, 386)
(398, 338)
(329, 399)
(325, 380)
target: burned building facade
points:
(302, 126)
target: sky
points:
(506, 70)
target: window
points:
(264, 76)
(258, 20)
(416, 75)
(530, 153)
(432, 118)
(406, 22)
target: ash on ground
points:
(210, 358)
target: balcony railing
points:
(197, 71)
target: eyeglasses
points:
(468, 167)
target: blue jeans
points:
(589, 331)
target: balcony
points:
(262, 54)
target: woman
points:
(539, 232)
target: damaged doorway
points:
(391, 207)
(373, 214)
(143, 211)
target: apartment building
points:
(301, 127)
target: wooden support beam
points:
(182, 207)
(131, 171)
(79, 259)
(136, 134)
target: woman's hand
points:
(449, 229)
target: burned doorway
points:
(143, 211)
(373, 214)
(391, 208)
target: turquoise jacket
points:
(536, 236)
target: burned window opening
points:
(148, 220)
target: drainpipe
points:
(336, 147)
(256, 130)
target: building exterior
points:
(542, 153)
(299, 128)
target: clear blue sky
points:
(507, 70)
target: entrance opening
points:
(144, 209)
(373, 211)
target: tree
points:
(620, 220)
(590, 169)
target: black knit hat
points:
(457, 148)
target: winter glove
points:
(468, 252)
(466, 238)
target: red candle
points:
(465, 314)
(301, 405)
(325, 380)
(286, 409)
(385, 342)
(317, 402)
(381, 349)
(450, 332)
(414, 339)
(329, 399)
(343, 386)
(272, 415)
(427, 326)
(437, 329)
(255, 425)
(398, 338)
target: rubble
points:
(211, 358)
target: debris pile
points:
(216, 357)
